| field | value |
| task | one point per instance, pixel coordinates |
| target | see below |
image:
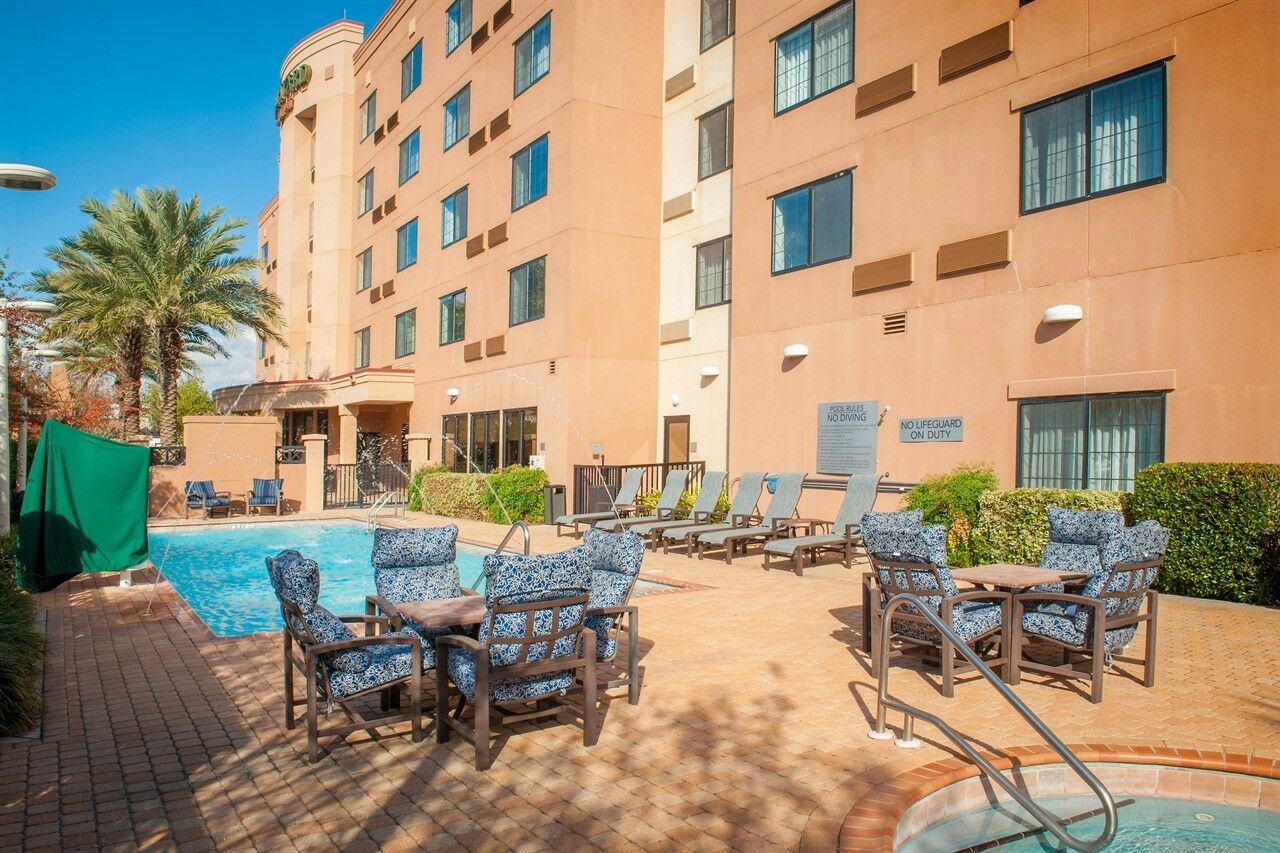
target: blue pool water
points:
(1150, 825)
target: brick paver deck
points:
(750, 734)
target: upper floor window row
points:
(529, 173)
(369, 115)
(266, 252)
(411, 70)
(407, 245)
(410, 155)
(457, 117)
(717, 22)
(533, 54)
(813, 58)
(813, 224)
(457, 25)
(1107, 137)
(364, 270)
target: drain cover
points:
(1204, 818)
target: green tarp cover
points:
(85, 509)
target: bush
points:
(649, 500)
(952, 499)
(437, 490)
(519, 490)
(21, 648)
(1224, 527)
(1013, 525)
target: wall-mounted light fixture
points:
(675, 399)
(710, 371)
(883, 414)
(795, 350)
(1063, 314)
(452, 394)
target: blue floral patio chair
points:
(1102, 619)
(1075, 541)
(414, 564)
(908, 557)
(265, 493)
(533, 646)
(338, 666)
(615, 560)
(201, 495)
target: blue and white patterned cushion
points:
(298, 580)
(615, 562)
(462, 670)
(969, 619)
(1082, 526)
(1071, 557)
(1058, 626)
(387, 663)
(327, 628)
(416, 564)
(883, 522)
(924, 544)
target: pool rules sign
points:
(847, 437)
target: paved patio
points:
(750, 733)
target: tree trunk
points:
(170, 363)
(129, 381)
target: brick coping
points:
(873, 821)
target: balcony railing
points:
(291, 454)
(168, 454)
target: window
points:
(813, 58)
(457, 25)
(308, 288)
(453, 442)
(717, 22)
(265, 252)
(453, 317)
(410, 151)
(311, 220)
(457, 117)
(528, 291)
(369, 115)
(1091, 442)
(262, 347)
(364, 270)
(529, 174)
(313, 154)
(714, 272)
(715, 141)
(407, 244)
(364, 193)
(1101, 139)
(362, 348)
(308, 362)
(533, 54)
(519, 436)
(406, 332)
(813, 224)
(411, 70)
(484, 441)
(453, 218)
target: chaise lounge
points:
(665, 510)
(845, 531)
(623, 503)
(752, 528)
(703, 510)
(742, 506)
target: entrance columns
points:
(313, 498)
(419, 450)
(346, 435)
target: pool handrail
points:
(520, 525)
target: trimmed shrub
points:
(519, 490)
(1013, 525)
(952, 499)
(21, 648)
(649, 500)
(443, 492)
(1224, 527)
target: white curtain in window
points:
(791, 69)
(833, 49)
(1127, 134)
(1124, 437)
(1053, 149)
(1052, 443)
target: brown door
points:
(675, 439)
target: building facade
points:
(1040, 234)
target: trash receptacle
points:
(552, 503)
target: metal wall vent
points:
(895, 324)
(551, 367)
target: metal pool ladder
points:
(377, 507)
(524, 530)
(910, 712)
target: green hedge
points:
(1013, 525)
(951, 499)
(649, 500)
(21, 648)
(1224, 527)
(479, 497)
(519, 490)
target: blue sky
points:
(118, 94)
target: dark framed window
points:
(1096, 441)
(717, 22)
(1107, 137)
(410, 155)
(714, 272)
(715, 141)
(814, 58)
(411, 70)
(453, 218)
(528, 291)
(266, 252)
(533, 54)
(457, 117)
(262, 347)
(364, 193)
(813, 224)
(453, 442)
(485, 443)
(364, 270)
(519, 436)
(529, 173)
(406, 332)
(407, 244)
(369, 115)
(453, 317)
(457, 25)
(362, 349)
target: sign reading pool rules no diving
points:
(847, 437)
(914, 430)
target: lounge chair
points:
(338, 666)
(414, 564)
(845, 532)
(533, 645)
(751, 528)
(911, 558)
(622, 503)
(1103, 616)
(265, 493)
(665, 510)
(615, 563)
(202, 496)
(702, 512)
(742, 506)
(1075, 541)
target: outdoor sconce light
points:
(883, 414)
(710, 371)
(675, 399)
(452, 394)
(795, 351)
(1063, 314)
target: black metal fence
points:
(291, 454)
(168, 454)
(359, 484)
(595, 485)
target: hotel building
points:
(1042, 234)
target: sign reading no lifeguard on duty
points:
(911, 430)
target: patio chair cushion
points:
(1071, 557)
(327, 628)
(416, 564)
(385, 664)
(1045, 621)
(1081, 526)
(969, 619)
(615, 560)
(462, 671)
(879, 522)
(265, 492)
(520, 579)
(296, 579)
(900, 544)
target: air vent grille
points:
(895, 324)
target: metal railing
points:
(359, 485)
(291, 454)
(168, 454)
(910, 712)
(839, 484)
(377, 507)
(594, 486)
(502, 546)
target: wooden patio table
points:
(445, 612)
(1013, 577)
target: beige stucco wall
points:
(230, 450)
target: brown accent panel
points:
(328, 72)
(479, 37)
(889, 89)
(681, 82)
(989, 250)
(500, 123)
(678, 206)
(476, 142)
(497, 234)
(891, 272)
(388, 288)
(976, 51)
(673, 332)
(375, 294)
(393, 120)
(473, 352)
(377, 214)
(496, 345)
(475, 245)
(503, 15)
(389, 205)
(379, 134)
